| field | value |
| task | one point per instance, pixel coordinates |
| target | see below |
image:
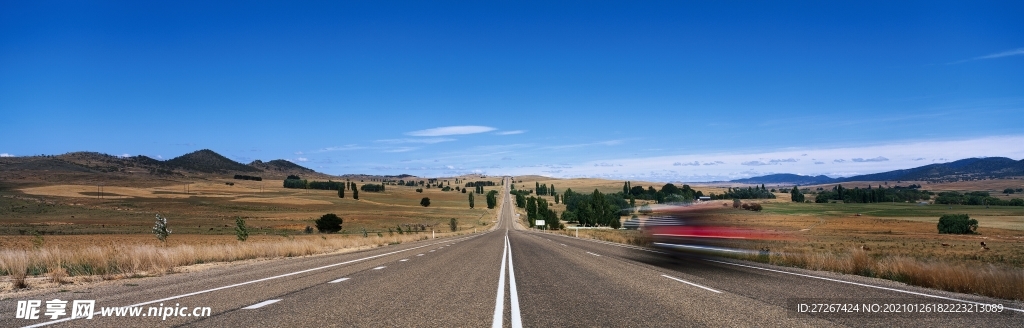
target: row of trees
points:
(594, 209)
(247, 177)
(372, 187)
(748, 193)
(872, 195)
(974, 198)
(669, 193)
(537, 209)
(545, 189)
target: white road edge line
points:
(593, 254)
(864, 285)
(403, 260)
(260, 304)
(41, 324)
(499, 303)
(690, 283)
(337, 281)
(380, 267)
(517, 321)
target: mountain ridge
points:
(965, 169)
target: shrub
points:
(957, 223)
(160, 228)
(240, 230)
(309, 230)
(736, 203)
(328, 223)
(425, 201)
(419, 189)
(454, 224)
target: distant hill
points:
(207, 161)
(787, 179)
(89, 165)
(964, 169)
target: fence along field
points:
(57, 232)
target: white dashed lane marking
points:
(260, 304)
(337, 281)
(380, 267)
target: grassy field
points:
(210, 207)
(892, 241)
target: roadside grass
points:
(124, 261)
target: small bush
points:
(241, 231)
(328, 223)
(454, 224)
(425, 201)
(736, 203)
(957, 224)
(308, 230)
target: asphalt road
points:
(509, 276)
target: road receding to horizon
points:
(510, 277)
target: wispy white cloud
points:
(125, 155)
(694, 163)
(415, 140)
(505, 133)
(302, 159)
(876, 159)
(451, 130)
(1008, 53)
(6, 155)
(298, 153)
(400, 149)
(847, 161)
(340, 148)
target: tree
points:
(796, 195)
(957, 224)
(492, 199)
(454, 224)
(355, 192)
(341, 192)
(471, 201)
(240, 230)
(736, 203)
(328, 223)
(160, 228)
(425, 201)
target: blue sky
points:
(564, 89)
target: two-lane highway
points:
(507, 276)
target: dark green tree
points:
(796, 195)
(957, 224)
(328, 223)
(471, 201)
(355, 192)
(425, 202)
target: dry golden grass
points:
(113, 262)
(988, 280)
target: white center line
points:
(403, 260)
(499, 300)
(337, 281)
(433, 250)
(421, 254)
(260, 304)
(380, 267)
(593, 254)
(517, 321)
(690, 283)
